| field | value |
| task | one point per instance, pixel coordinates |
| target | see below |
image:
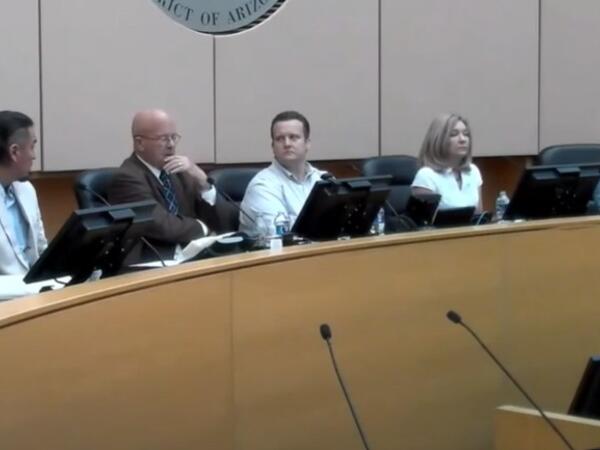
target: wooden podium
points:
(517, 428)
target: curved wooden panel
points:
(226, 353)
(141, 377)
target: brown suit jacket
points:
(134, 182)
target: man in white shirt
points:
(22, 237)
(155, 172)
(286, 183)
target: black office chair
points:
(402, 168)
(233, 182)
(569, 154)
(91, 187)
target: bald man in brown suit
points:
(155, 172)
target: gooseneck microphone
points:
(326, 335)
(229, 200)
(325, 332)
(454, 317)
(142, 238)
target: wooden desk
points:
(519, 428)
(226, 354)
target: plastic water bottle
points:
(380, 221)
(501, 204)
(282, 224)
(263, 231)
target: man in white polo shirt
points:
(286, 183)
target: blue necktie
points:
(168, 192)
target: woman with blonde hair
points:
(446, 167)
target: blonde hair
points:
(435, 150)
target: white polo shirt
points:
(446, 184)
(274, 190)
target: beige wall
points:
(101, 61)
(20, 66)
(105, 60)
(570, 76)
(312, 56)
(475, 57)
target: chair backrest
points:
(402, 168)
(569, 154)
(91, 187)
(233, 182)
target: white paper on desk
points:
(156, 264)
(12, 286)
(197, 245)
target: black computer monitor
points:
(342, 207)
(454, 217)
(91, 239)
(421, 208)
(554, 191)
(424, 210)
(586, 402)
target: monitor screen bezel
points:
(536, 182)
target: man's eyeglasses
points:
(164, 139)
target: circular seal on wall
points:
(219, 16)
